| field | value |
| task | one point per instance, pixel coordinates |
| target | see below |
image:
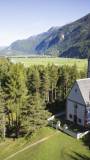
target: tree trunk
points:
(52, 93)
(17, 128)
(55, 96)
(48, 96)
(4, 127)
(12, 119)
(9, 119)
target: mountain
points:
(71, 40)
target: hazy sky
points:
(22, 18)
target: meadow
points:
(58, 147)
(81, 63)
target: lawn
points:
(9, 146)
(45, 61)
(58, 147)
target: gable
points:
(76, 95)
(84, 86)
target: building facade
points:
(78, 103)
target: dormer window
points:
(76, 90)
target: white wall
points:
(75, 135)
(70, 110)
(80, 112)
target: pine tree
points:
(44, 84)
(63, 82)
(33, 81)
(2, 115)
(35, 116)
(73, 75)
(53, 76)
(16, 93)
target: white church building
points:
(78, 102)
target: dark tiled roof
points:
(84, 86)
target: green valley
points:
(81, 63)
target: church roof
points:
(84, 86)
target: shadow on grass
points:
(78, 156)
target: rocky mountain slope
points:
(71, 40)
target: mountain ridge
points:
(71, 40)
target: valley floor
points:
(81, 63)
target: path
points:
(29, 146)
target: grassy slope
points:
(58, 147)
(9, 146)
(57, 61)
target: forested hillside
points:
(71, 40)
(28, 96)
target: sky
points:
(20, 19)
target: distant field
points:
(45, 61)
(58, 147)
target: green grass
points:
(45, 61)
(58, 147)
(9, 146)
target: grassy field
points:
(45, 61)
(58, 147)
